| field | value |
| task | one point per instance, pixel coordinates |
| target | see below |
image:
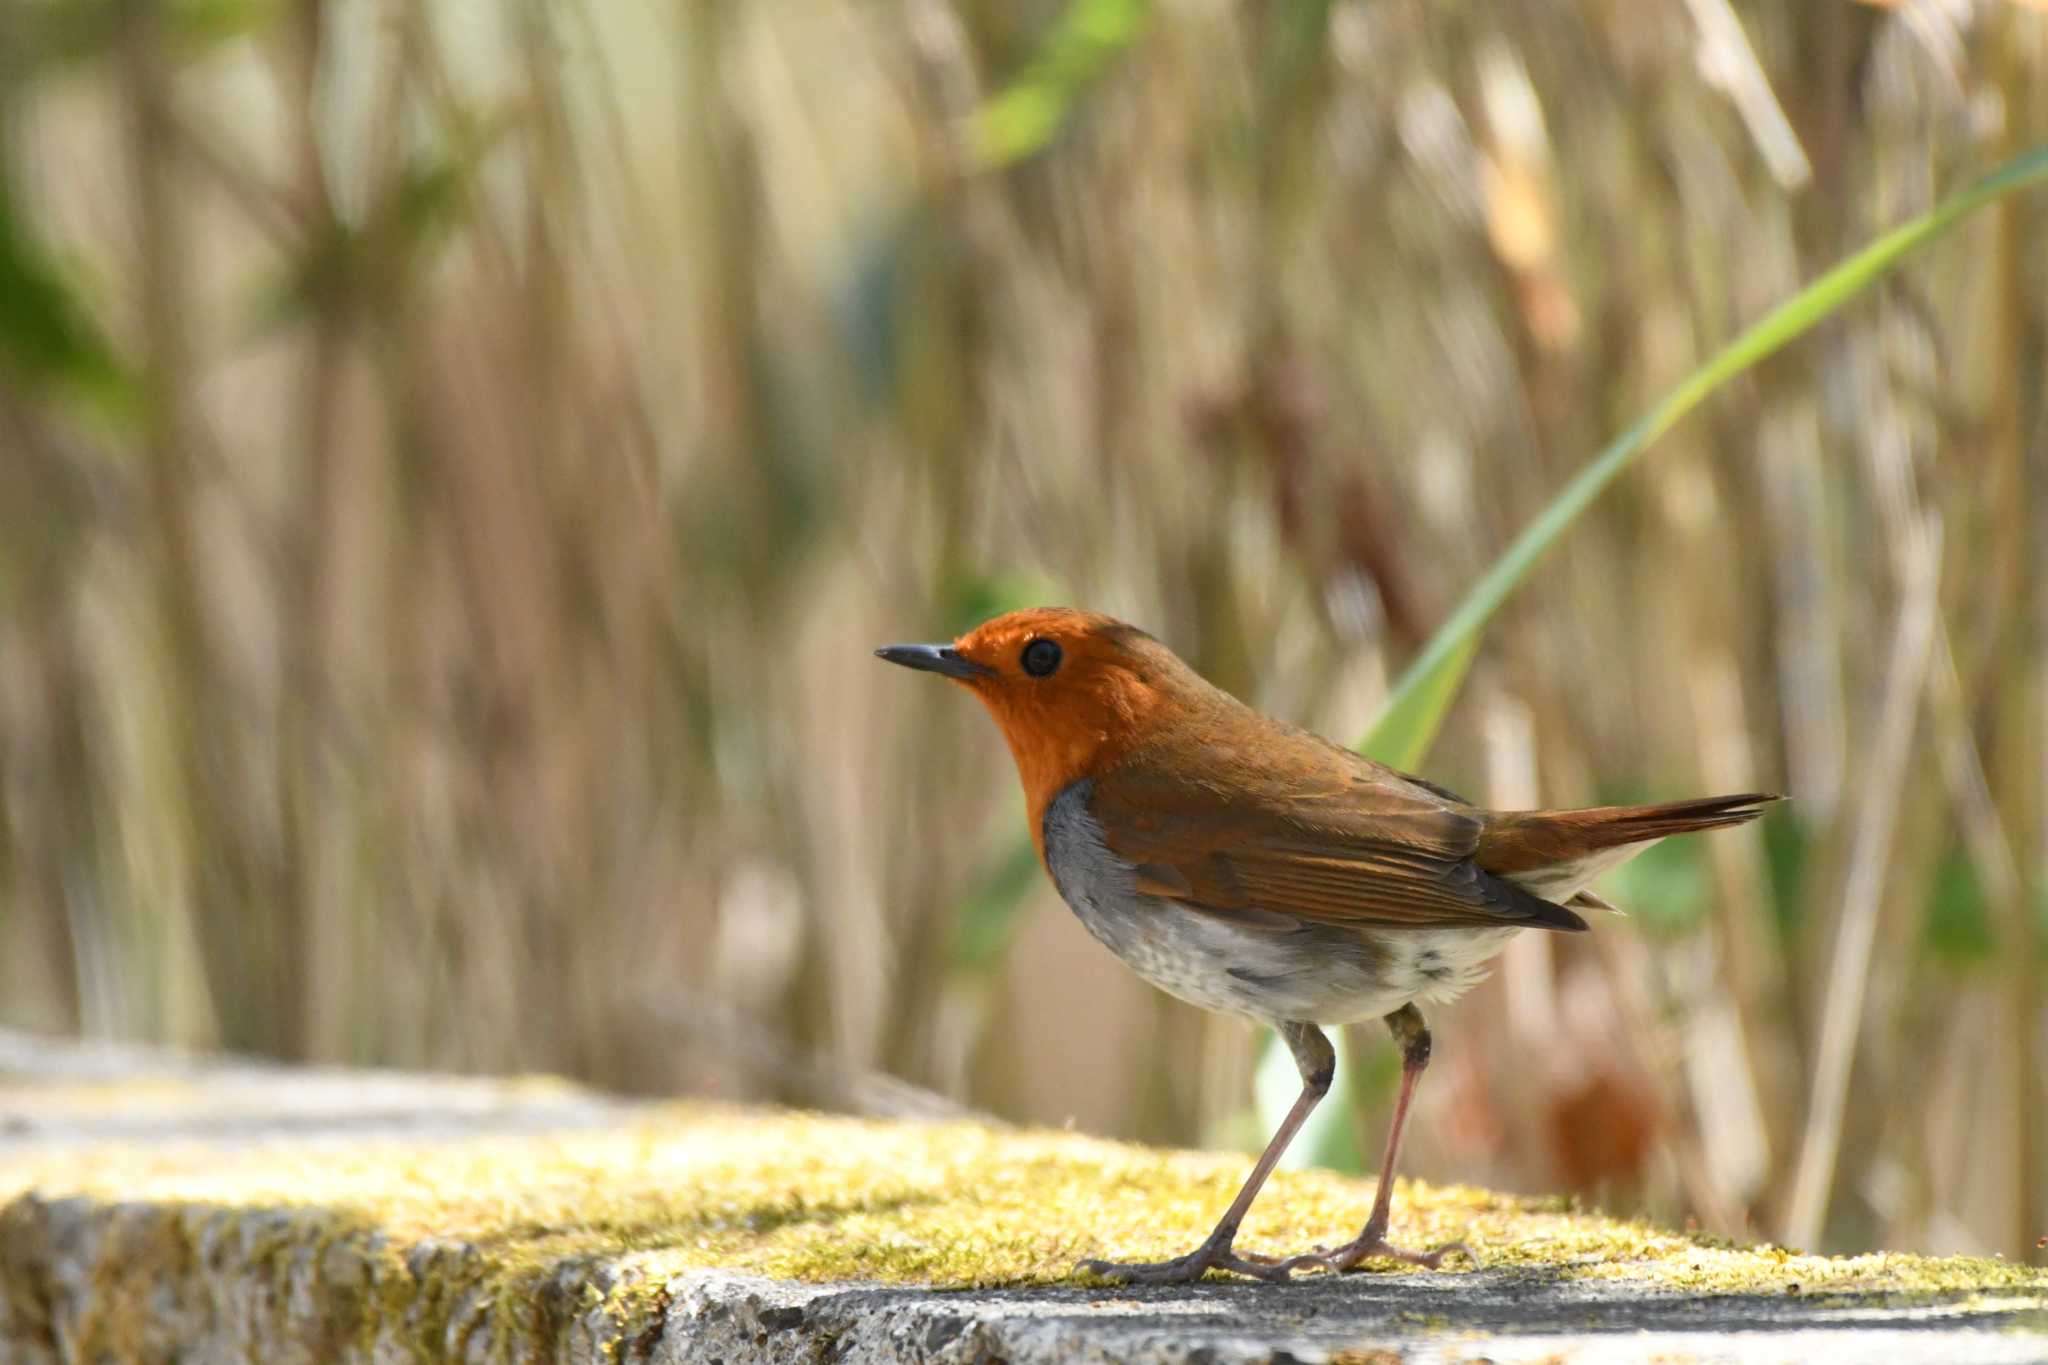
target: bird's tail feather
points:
(1555, 851)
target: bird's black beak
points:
(934, 659)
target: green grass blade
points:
(1401, 736)
(48, 337)
(1417, 707)
(1024, 116)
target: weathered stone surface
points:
(160, 1208)
(1485, 1315)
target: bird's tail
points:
(1554, 853)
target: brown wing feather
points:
(1286, 828)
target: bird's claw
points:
(1191, 1267)
(1348, 1256)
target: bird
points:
(1254, 869)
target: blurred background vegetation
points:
(455, 459)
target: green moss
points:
(476, 1231)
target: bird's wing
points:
(1329, 838)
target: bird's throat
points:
(1059, 739)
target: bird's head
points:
(1072, 690)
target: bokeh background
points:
(456, 457)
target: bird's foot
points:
(1372, 1244)
(1213, 1254)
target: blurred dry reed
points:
(455, 458)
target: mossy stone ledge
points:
(156, 1208)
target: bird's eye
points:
(1041, 657)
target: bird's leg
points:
(1413, 1036)
(1317, 1062)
